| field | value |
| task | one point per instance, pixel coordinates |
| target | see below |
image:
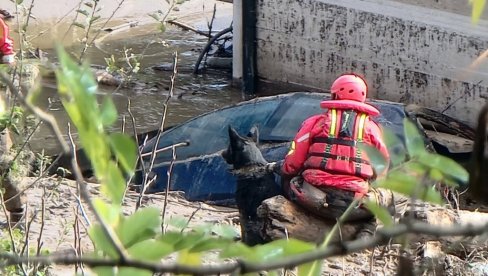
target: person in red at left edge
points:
(325, 168)
(6, 43)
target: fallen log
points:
(443, 217)
(280, 218)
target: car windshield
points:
(278, 119)
(287, 119)
(208, 133)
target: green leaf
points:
(188, 241)
(225, 231)
(310, 269)
(436, 175)
(141, 225)
(399, 182)
(376, 159)
(413, 139)
(150, 250)
(178, 222)
(162, 27)
(189, 258)
(445, 165)
(478, 6)
(109, 213)
(380, 212)
(413, 168)
(101, 241)
(395, 147)
(211, 244)
(114, 184)
(265, 252)
(432, 195)
(94, 19)
(125, 151)
(204, 229)
(239, 249)
(155, 16)
(105, 271)
(108, 112)
(273, 273)
(130, 271)
(171, 238)
(84, 12)
(293, 246)
(79, 25)
(411, 186)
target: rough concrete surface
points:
(408, 53)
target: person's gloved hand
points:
(8, 59)
(274, 167)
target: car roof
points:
(271, 108)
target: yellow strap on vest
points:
(333, 123)
(362, 120)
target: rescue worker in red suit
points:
(6, 43)
(325, 169)
(14, 198)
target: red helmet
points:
(349, 87)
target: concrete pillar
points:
(237, 44)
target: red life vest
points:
(336, 150)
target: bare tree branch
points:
(382, 237)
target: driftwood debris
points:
(189, 28)
(281, 218)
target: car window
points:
(208, 133)
(287, 119)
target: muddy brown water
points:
(193, 94)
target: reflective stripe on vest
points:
(334, 139)
(360, 134)
(332, 133)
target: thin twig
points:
(191, 217)
(166, 192)
(28, 224)
(171, 147)
(161, 125)
(41, 231)
(9, 225)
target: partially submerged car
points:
(199, 170)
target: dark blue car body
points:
(199, 169)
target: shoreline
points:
(51, 22)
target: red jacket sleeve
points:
(6, 43)
(297, 154)
(376, 137)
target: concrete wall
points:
(455, 6)
(407, 53)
